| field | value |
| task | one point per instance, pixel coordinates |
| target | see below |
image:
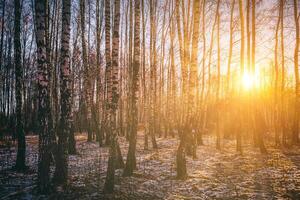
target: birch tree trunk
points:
(282, 98)
(99, 74)
(115, 158)
(108, 68)
(248, 35)
(259, 132)
(66, 116)
(87, 81)
(194, 73)
(218, 131)
(203, 114)
(295, 137)
(239, 136)
(153, 73)
(172, 75)
(131, 158)
(45, 129)
(145, 102)
(276, 104)
(20, 162)
(230, 45)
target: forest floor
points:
(213, 175)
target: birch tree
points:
(45, 129)
(295, 137)
(20, 162)
(131, 158)
(241, 7)
(66, 120)
(115, 158)
(87, 81)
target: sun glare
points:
(250, 80)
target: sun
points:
(247, 81)
(250, 80)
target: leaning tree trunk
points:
(20, 162)
(44, 112)
(65, 124)
(131, 159)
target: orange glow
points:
(250, 80)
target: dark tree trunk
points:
(20, 162)
(110, 175)
(181, 160)
(71, 140)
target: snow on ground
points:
(213, 175)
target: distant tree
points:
(2, 41)
(87, 81)
(153, 74)
(203, 113)
(145, 94)
(99, 74)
